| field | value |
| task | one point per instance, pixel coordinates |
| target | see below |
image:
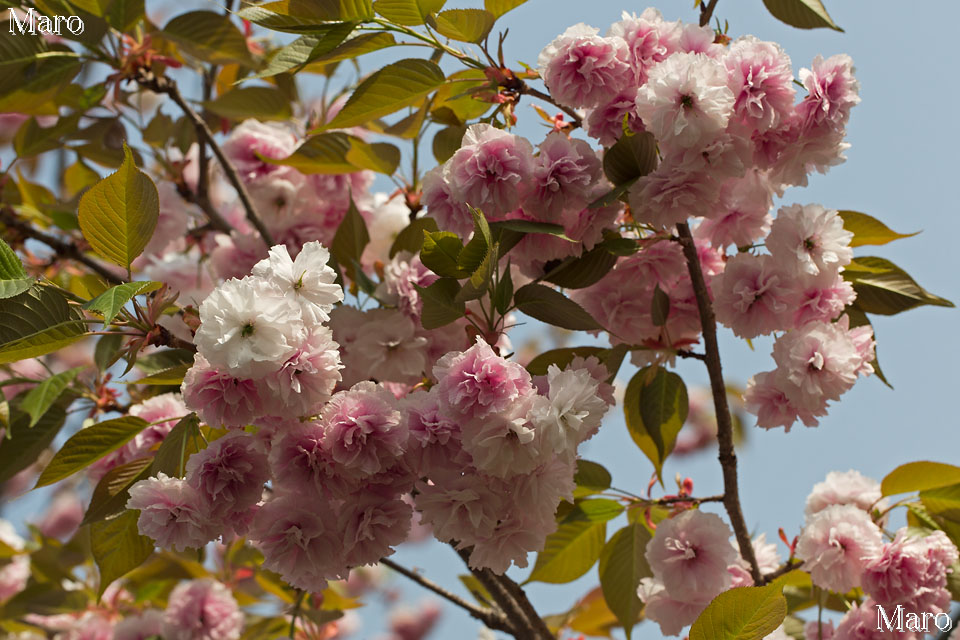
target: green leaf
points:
(23, 444)
(89, 445)
(560, 357)
(298, 16)
(171, 376)
(337, 152)
(118, 547)
(446, 142)
(352, 48)
(659, 307)
(622, 567)
(262, 103)
(503, 294)
(552, 307)
(177, 447)
(13, 278)
(530, 226)
(112, 492)
(595, 510)
(32, 139)
(105, 353)
(500, 7)
(802, 14)
(125, 14)
(409, 13)
(307, 48)
(590, 478)
(465, 25)
(584, 271)
(569, 552)
(38, 84)
(868, 230)
(209, 36)
(36, 322)
(631, 157)
(119, 214)
(655, 405)
(410, 239)
(441, 252)
(350, 240)
(885, 289)
(388, 90)
(440, 306)
(110, 302)
(163, 360)
(39, 399)
(744, 613)
(943, 501)
(858, 319)
(475, 252)
(919, 476)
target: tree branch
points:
(161, 84)
(492, 619)
(63, 249)
(706, 12)
(536, 93)
(521, 626)
(540, 628)
(789, 566)
(727, 455)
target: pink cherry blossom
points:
(218, 398)
(848, 487)
(836, 546)
(761, 79)
(672, 614)
(250, 138)
(202, 609)
(741, 214)
(478, 382)
(362, 431)
(492, 170)
(172, 513)
(765, 398)
(372, 525)
(564, 174)
(912, 571)
(229, 474)
(809, 239)
(690, 553)
(832, 88)
(581, 69)
(751, 296)
(305, 381)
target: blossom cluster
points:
(841, 546)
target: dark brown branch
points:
(677, 499)
(692, 354)
(540, 628)
(727, 455)
(521, 626)
(492, 619)
(162, 84)
(216, 221)
(536, 93)
(782, 571)
(706, 12)
(63, 249)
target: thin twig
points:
(706, 12)
(492, 619)
(727, 455)
(162, 84)
(675, 499)
(63, 249)
(692, 354)
(521, 626)
(540, 628)
(782, 571)
(536, 93)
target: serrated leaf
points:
(89, 445)
(113, 490)
(39, 399)
(172, 376)
(802, 14)
(744, 613)
(569, 552)
(262, 103)
(299, 16)
(209, 36)
(390, 89)
(162, 360)
(410, 238)
(308, 48)
(32, 139)
(118, 547)
(177, 447)
(503, 293)
(123, 15)
(350, 240)
(441, 253)
(110, 302)
(118, 215)
(631, 157)
(465, 25)
(655, 405)
(552, 307)
(352, 48)
(440, 307)
(560, 357)
(595, 510)
(13, 277)
(918, 476)
(622, 566)
(868, 230)
(476, 250)
(23, 444)
(885, 289)
(659, 307)
(35, 323)
(36, 86)
(500, 7)
(530, 226)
